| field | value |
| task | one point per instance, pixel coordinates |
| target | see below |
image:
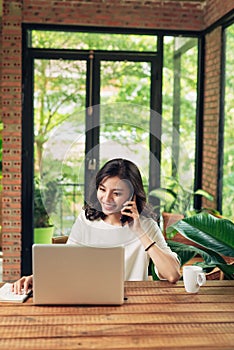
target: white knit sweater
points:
(101, 234)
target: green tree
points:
(60, 85)
(59, 89)
(228, 159)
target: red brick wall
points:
(0, 113)
(211, 110)
(216, 9)
(11, 115)
(127, 13)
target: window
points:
(180, 68)
(228, 130)
(70, 143)
(72, 71)
(92, 41)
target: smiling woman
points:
(125, 64)
(118, 174)
(112, 194)
(119, 191)
(99, 224)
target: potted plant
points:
(215, 237)
(176, 201)
(45, 202)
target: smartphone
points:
(125, 218)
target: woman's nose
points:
(108, 197)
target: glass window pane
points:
(179, 110)
(228, 159)
(93, 41)
(59, 143)
(124, 125)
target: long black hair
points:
(125, 170)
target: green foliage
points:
(60, 88)
(176, 198)
(45, 202)
(93, 41)
(215, 236)
(228, 159)
(179, 102)
(58, 94)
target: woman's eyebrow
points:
(113, 189)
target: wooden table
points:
(157, 315)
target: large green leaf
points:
(227, 269)
(186, 252)
(208, 231)
(211, 258)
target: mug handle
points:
(201, 279)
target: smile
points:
(108, 207)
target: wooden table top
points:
(157, 315)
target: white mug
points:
(194, 278)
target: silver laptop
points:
(69, 274)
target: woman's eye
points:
(117, 194)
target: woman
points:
(117, 214)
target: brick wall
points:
(0, 112)
(11, 116)
(211, 110)
(126, 13)
(216, 9)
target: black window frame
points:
(28, 54)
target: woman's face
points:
(112, 193)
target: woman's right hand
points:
(23, 285)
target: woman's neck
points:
(113, 219)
